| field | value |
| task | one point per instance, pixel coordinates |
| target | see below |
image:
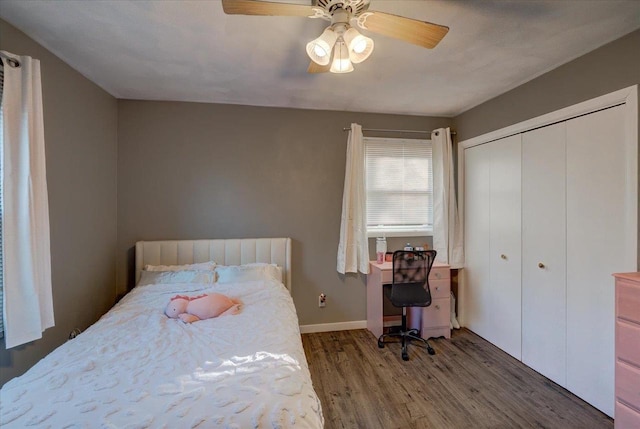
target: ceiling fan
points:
(341, 44)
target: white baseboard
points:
(328, 327)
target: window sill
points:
(400, 233)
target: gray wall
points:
(189, 170)
(80, 122)
(609, 68)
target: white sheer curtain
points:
(28, 303)
(353, 250)
(447, 232)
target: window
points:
(399, 186)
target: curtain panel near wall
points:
(28, 302)
(447, 232)
(353, 250)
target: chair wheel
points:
(405, 356)
(380, 344)
(431, 351)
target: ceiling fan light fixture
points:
(341, 61)
(360, 47)
(340, 45)
(319, 50)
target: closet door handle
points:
(541, 265)
(503, 256)
(437, 306)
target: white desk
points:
(435, 318)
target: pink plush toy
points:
(191, 309)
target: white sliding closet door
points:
(544, 252)
(596, 235)
(505, 244)
(492, 242)
(575, 219)
(477, 185)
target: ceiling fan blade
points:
(420, 33)
(253, 7)
(317, 68)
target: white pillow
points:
(202, 266)
(248, 272)
(169, 277)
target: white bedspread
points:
(135, 368)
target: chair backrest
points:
(412, 268)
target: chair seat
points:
(408, 295)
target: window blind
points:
(399, 183)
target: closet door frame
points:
(628, 97)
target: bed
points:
(137, 368)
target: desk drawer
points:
(628, 342)
(387, 277)
(435, 274)
(440, 288)
(437, 314)
(439, 273)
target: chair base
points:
(406, 337)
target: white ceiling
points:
(192, 51)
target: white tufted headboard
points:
(225, 252)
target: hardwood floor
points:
(468, 383)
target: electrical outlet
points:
(322, 300)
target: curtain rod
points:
(379, 130)
(10, 60)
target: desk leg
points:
(374, 302)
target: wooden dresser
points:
(627, 411)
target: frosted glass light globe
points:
(360, 45)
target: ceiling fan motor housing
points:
(355, 7)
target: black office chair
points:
(410, 288)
